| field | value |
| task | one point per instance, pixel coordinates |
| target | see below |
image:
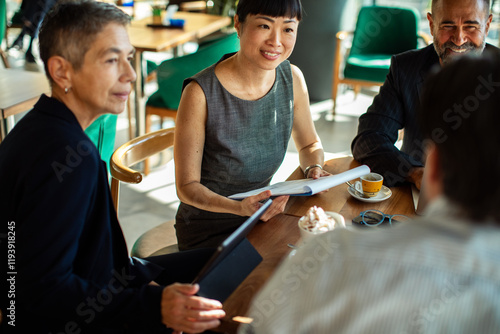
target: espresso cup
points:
(370, 184)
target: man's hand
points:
(415, 176)
(182, 311)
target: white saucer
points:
(383, 194)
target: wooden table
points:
(338, 199)
(144, 38)
(19, 90)
(271, 238)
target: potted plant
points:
(158, 11)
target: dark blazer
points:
(72, 270)
(395, 108)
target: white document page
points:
(306, 187)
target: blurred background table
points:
(144, 38)
(19, 90)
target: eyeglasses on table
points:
(377, 218)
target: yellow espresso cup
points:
(371, 184)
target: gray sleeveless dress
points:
(245, 143)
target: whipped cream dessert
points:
(317, 221)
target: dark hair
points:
(274, 8)
(435, 3)
(71, 27)
(460, 114)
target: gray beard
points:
(446, 59)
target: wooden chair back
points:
(132, 152)
(380, 33)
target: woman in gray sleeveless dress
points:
(234, 123)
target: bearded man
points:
(458, 27)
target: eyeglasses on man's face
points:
(378, 218)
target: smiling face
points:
(266, 41)
(459, 27)
(102, 84)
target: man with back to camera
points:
(458, 27)
(437, 274)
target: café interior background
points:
(154, 201)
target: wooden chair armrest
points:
(125, 174)
(341, 35)
(120, 171)
(426, 37)
(157, 141)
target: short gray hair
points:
(71, 27)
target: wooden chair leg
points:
(146, 166)
(148, 130)
(335, 87)
(162, 113)
(129, 115)
(357, 89)
(4, 59)
(334, 95)
(147, 125)
(336, 70)
(115, 192)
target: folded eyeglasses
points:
(378, 218)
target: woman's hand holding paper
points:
(253, 203)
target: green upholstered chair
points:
(380, 33)
(102, 132)
(171, 74)
(3, 28)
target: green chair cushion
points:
(102, 132)
(172, 73)
(374, 61)
(151, 66)
(370, 68)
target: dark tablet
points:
(231, 263)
